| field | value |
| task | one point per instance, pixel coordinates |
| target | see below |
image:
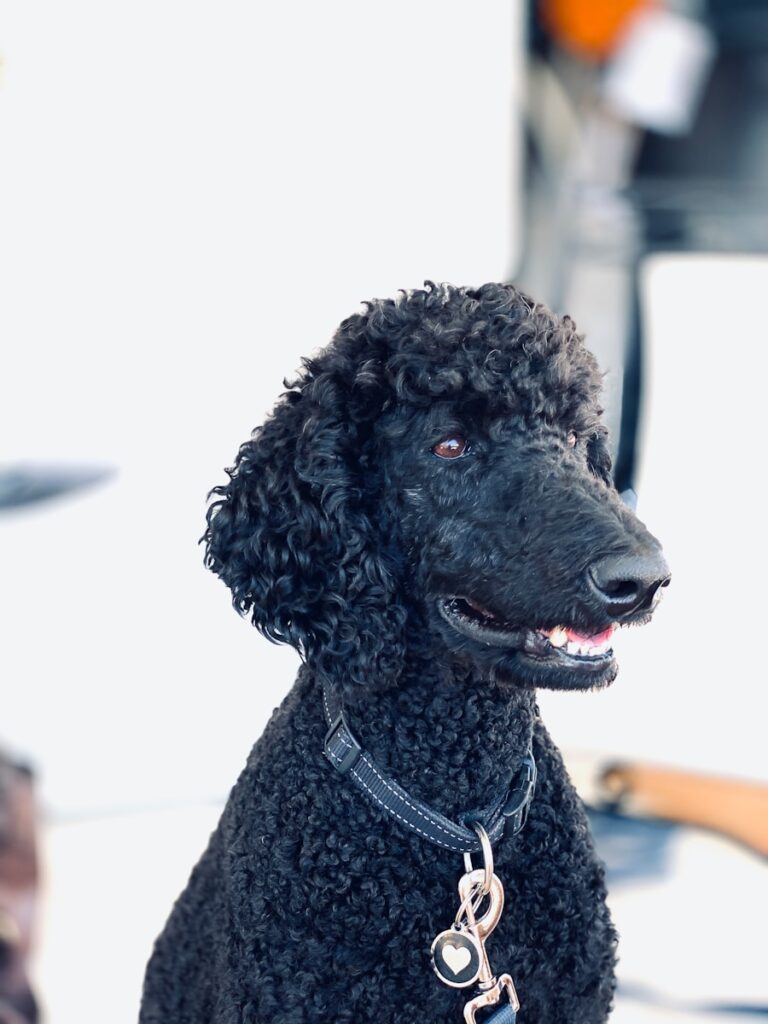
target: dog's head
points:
(437, 484)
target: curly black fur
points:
(339, 532)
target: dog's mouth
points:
(558, 644)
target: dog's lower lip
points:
(556, 646)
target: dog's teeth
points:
(583, 649)
(557, 637)
(573, 647)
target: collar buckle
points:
(516, 808)
(340, 746)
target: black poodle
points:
(428, 517)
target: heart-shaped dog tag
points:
(456, 958)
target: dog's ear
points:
(290, 536)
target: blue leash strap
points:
(505, 1015)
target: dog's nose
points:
(626, 584)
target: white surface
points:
(192, 197)
(692, 686)
(110, 884)
(659, 70)
(696, 935)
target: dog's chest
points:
(324, 885)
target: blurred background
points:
(192, 197)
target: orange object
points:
(589, 28)
(736, 808)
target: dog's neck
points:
(452, 739)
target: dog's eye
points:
(572, 438)
(451, 447)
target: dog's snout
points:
(627, 584)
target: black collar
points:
(507, 813)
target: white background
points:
(192, 196)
